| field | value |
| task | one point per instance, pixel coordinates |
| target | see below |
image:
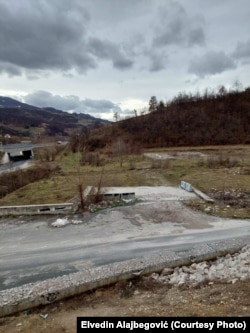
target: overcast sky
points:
(105, 56)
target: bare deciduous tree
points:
(119, 148)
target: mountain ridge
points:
(11, 102)
(19, 119)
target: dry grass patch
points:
(220, 176)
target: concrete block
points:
(186, 186)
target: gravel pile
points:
(229, 269)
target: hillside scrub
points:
(220, 118)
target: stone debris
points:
(228, 269)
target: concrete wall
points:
(37, 209)
(91, 191)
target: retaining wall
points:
(37, 209)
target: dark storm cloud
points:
(71, 103)
(51, 35)
(44, 35)
(211, 63)
(175, 27)
(242, 51)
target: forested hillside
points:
(188, 120)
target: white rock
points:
(167, 271)
(60, 223)
(220, 266)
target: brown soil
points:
(137, 298)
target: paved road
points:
(32, 249)
(17, 147)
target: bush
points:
(11, 181)
(214, 162)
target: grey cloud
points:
(93, 103)
(12, 70)
(46, 99)
(122, 63)
(51, 35)
(118, 11)
(196, 36)
(104, 49)
(175, 27)
(242, 51)
(210, 64)
(97, 106)
(71, 103)
(157, 62)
